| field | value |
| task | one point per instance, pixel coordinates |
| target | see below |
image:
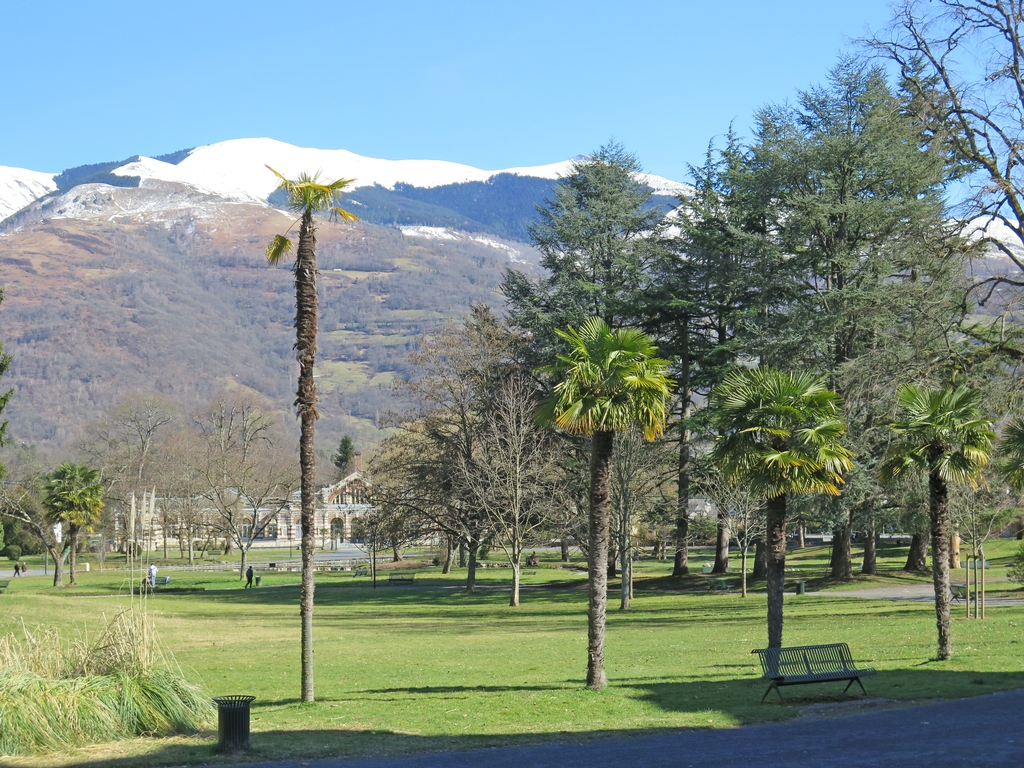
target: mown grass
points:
(430, 667)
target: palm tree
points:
(942, 434)
(307, 196)
(610, 381)
(1012, 465)
(780, 434)
(73, 496)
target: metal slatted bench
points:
(804, 664)
(401, 578)
(719, 585)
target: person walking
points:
(24, 569)
(17, 569)
(248, 578)
(152, 575)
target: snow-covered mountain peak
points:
(19, 187)
(237, 169)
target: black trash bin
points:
(233, 722)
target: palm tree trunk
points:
(938, 509)
(305, 342)
(597, 554)
(776, 546)
(72, 554)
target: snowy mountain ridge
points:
(19, 187)
(237, 170)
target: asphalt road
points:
(981, 731)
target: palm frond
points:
(280, 246)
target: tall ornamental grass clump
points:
(57, 694)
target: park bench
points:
(360, 572)
(959, 592)
(804, 664)
(3, 585)
(401, 578)
(718, 585)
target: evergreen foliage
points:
(95, 173)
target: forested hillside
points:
(183, 303)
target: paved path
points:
(917, 593)
(983, 731)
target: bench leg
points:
(776, 687)
(858, 682)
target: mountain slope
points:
(112, 291)
(19, 187)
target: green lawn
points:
(431, 667)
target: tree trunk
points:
(842, 558)
(72, 554)
(776, 546)
(58, 566)
(722, 536)
(612, 562)
(743, 570)
(627, 570)
(564, 544)
(801, 531)
(305, 343)
(241, 567)
(474, 546)
(447, 565)
(514, 600)
(600, 517)
(396, 553)
(870, 566)
(938, 511)
(917, 558)
(681, 564)
(462, 552)
(760, 558)
(954, 550)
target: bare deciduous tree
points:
(963, 63)
(245, 475)
(513, 477)
(743, 510)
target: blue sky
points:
(493, 85)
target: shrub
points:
(56, 694)
(13, 552)
(1016, 572)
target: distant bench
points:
(804, 664)
(360, 572)
(959, 592)
(718, 585)
(401, 578)
(3, 585)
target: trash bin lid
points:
(234, 701)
